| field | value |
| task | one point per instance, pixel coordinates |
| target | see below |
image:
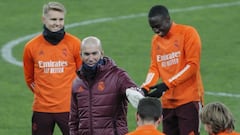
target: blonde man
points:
(217, 119)
(50, 61)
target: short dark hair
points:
(149, 108)
(158, 10)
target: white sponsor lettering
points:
(43, 64)
(168, 56)
(52, 66)
(169, 59)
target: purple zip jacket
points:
(99, 107)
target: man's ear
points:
(102, 54)
(159, 120)
(137, 117)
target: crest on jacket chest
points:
(101, 86)
(80, 89)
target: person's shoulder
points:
(227, 133)
(111, 65)
(236, 133)
(155, 37)
(160, 133)
(76, 84)
(137, 133)
(35, 40)
(70, 36)
(186, 27)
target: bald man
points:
(100, 94)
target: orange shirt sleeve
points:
(28, 66)
(153, 72)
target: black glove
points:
(144, 91)
(157, 90)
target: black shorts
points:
(44, 123)
(183, 120)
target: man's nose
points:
(57, 22)
(91, 57)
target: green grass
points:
(127, 41)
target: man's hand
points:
(157, 90)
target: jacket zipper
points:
(90, 108)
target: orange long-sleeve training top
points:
(49, 71)
(175, 60)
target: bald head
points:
(91, 50)
(91, 41)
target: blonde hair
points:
(218, 116)
(56, 6)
